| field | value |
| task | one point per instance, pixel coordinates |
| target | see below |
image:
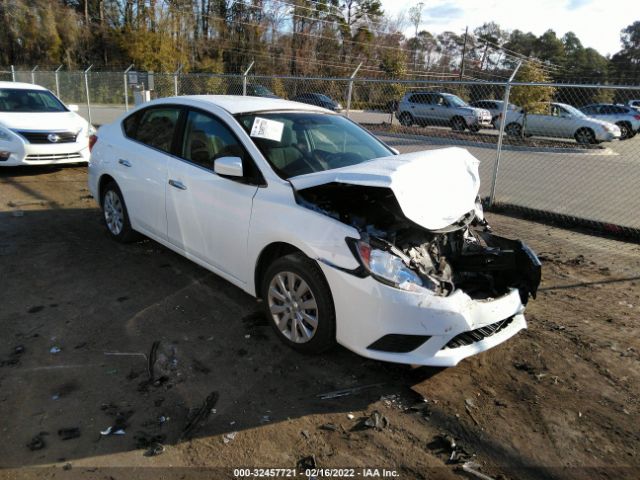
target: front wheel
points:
(115, 215)
(474, 128)
(298, 301)
(625, 130)
(406, 119)
(458, 124)
(585, 136)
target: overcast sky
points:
(597, 23)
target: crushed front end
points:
(422, 296)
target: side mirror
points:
(228, 166)
(73, 108)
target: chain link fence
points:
(569, 151)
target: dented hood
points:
(433, 188)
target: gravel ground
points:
(560, 400)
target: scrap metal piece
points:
(200, 415)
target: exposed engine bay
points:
(466, 255)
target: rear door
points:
(208, 215)
(539, 123)
(141, 168)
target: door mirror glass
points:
(228, 166)
(73, 108)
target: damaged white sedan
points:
(343, 239)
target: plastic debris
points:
(69, 433)
(200, 415)
(227, 437)
(471, 467)
(154, 450)
(347, 391)
(331, 427)
(55, 350)
(37, 442)
(350, 416)
(376, 420)
(306, 463)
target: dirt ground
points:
(560, 400)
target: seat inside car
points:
(282, 154)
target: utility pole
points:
(464, 52)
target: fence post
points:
(57, 81)
(33, 74)
(126, 90)
(13, 74)
(350, 91)
(244, 79)
(503, 121)
(175, 80)
(86, 86)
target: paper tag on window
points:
(267, 129)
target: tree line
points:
(292, 37)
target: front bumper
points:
(367, 311)
(485, 122)
(45, 154)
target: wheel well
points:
(268, 255)
(104, 181)
(625, 123)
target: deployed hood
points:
(54, 121)
(433, 188)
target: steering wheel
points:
(345, 159)
(303, 164)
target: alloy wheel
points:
(293, 307)
(113, 212)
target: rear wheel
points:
(298, 301)
(474, 128)
(406, 119)
(458, 124)
(585, 136)
(115, 215)
(625, 130)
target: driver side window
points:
(206, 139)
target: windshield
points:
(456, 101)
(573, 110)
(29, 101)
(296, 143)
(261, 90)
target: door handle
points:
(124, 162)
(177, 184)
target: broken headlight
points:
(388, 268)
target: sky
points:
(597, 23)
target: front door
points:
(208, 215)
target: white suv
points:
(36, 128)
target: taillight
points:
(92, 141)
(637, 117)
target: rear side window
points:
(590, 110)
(154, 127)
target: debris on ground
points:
(37, 442)
(350, 416)
(200, 415)
(227, 437)
(456, 452)
(472, 468)
(55, 350)
(147, 441)
(331, 427)
(305, 463)
(120, 424)
(69, 433)
(305, 434)
(14, 356)
(154, 450)
(347, 391)
(151, 360)
(375, 420)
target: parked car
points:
(36, 128)
(634, 104)
(626, 118)
(435, 108)
(494, 107)
(388, 255)
(253, 90)
(560, 120)
(319, 100)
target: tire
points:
(458, 124)
(290, 284)
(626, 131)
(474, 128)
(406, 119)
(513, 129)
(115, 215)
(585, 136)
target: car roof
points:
(21, 86)
(236, 104)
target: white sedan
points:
(343, 240)
(36, 128)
